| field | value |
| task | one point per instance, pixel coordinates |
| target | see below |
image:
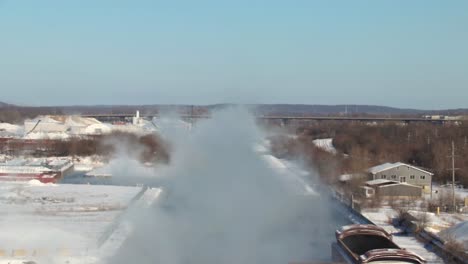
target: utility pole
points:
(453, 174)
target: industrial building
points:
(403, 173)
(45, 170)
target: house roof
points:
(386, 183)
(380, 182)
(65, 120)
(387, 166)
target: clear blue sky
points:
(404, 53)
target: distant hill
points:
(2, 105)
(263, 109)
(335, 110)
(259, 109)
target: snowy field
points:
(68, 220)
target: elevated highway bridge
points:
(286, 119)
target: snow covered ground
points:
(57, 220)
(325, 144)
(458, 232)
(438, 190)
(292, 172)
(123, 228)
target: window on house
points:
(402, 179)
(422, 177)
(383, 177)
(394, 177)
(411, 177)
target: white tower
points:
(136, 118)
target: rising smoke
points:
(221, 203)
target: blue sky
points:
(388, 52)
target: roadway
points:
(291, 118)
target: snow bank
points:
(35, 182)
(458, 232)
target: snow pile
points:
(325, 144)
(47, 135)
(10, 130)
(35, 182)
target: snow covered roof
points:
(81, 121)
(35, 165)
(9, 127)
(10, 130)
(66, 120)
(385, 183)
(380, 182)
(388, 166)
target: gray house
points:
(403, 173)
(394, 189)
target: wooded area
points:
(148, 148)
(362, 145)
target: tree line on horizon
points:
(361, 146)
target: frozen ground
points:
(58, 220)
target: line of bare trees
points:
(363, 145)
(148, 148)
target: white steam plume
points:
(221, 203)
